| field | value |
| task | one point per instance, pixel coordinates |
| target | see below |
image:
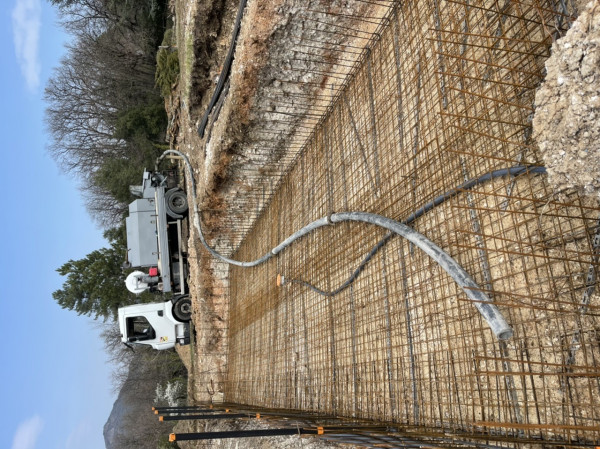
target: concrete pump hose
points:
(196, 217)
(489, 311)
(513, 171)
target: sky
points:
(55, 382)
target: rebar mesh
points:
(444, 94)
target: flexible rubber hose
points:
(514, 171)
(490, 313)
(225, 70)
(196, 217)
(482, 302)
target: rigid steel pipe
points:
(319, 430)
(238, 434)
(187, 410)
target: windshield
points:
(139, 329)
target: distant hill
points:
(131, 423)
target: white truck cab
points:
(159, 325)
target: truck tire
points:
(177, 201)
(182, 309)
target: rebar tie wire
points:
(482, 302)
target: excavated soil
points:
(567, 119)
(566, 126)
(203, 31)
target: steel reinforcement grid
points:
(444, 93)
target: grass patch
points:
(167, 64)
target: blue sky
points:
(55, 382)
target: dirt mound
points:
(566, 123)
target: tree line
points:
(107, 121)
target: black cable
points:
(514, 172)
(226, 70)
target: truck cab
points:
(159, 325)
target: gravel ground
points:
(567, 119)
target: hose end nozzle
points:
(280, 280)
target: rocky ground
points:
(566, 127)
(230, 161)
(567, 119)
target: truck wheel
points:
(182, 309)
(177, 201)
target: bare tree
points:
(79, 16)
(107, 72)
(119, 355)
(80, 115)
(104, 208)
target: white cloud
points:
(27, 433)
(79, 436)
(26, 22)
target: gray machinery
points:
(154, 238)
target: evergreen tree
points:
(95, 285)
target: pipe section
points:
(226, 70)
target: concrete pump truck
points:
(154, 247)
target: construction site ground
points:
(382, 107)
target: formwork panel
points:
(444, 94)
